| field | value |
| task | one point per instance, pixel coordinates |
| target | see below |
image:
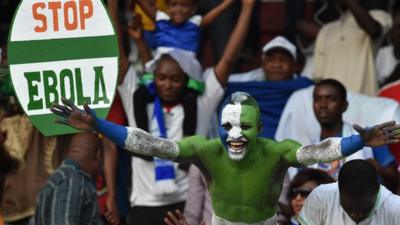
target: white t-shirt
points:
(143, 180)
(322, 207)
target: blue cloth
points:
(383, 156)
(164, 169)
(271, 96)
(150, 39)
(68, 197)
(184, 36)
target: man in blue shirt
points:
(69, 196)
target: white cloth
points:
(385, 63)
(253, 75)
(322, 207)
(187, 61)
(143, 181)
(298, 121)
(344, 51)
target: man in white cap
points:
(278, 63)
(279, 59)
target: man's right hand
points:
(73, 116)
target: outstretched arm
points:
(131, 139)
(224, 66)
(336, 148)
(215, 12)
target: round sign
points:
(62, 49)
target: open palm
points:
(73, 116)
(382, 134)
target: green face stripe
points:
(249, 117)
(52, 128)
(62, 49)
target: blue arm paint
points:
(351, 144)
(116, 133)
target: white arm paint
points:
(141, 142)
(326, 151)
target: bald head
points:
(84, 149)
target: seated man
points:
(244, 172)
(357, 198)
(329, 103)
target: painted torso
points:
(246, 190)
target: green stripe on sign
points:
(46, 125)
(62, 49)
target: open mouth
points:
(237, 146)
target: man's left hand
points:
(382, 134)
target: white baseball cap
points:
(280, 43)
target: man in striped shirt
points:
(69, 196)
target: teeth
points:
(237, 146)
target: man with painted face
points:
(244, 172)
(357, 198)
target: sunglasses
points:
(303, 193)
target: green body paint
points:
(245, 190)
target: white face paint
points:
(236, 143)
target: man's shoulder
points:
(286, 143)
(391, 202)
(279, 147)
(331, 188)
(325, 193)
(331, 25)
(66, 174)
(198, 140)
